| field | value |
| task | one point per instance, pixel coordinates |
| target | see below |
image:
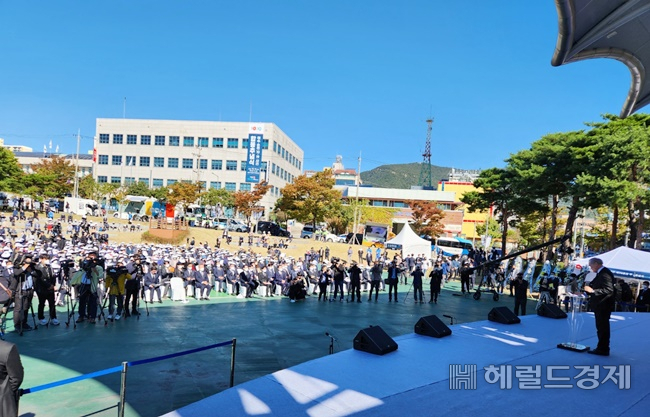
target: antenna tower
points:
(425, 171)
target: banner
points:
(254, 154)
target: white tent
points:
(410, 243)
(624, 262)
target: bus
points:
(452, 246)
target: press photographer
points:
(87, 279)
(132, 285)
(116, 278)
(44, 287)
(22, 286)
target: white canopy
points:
(410, 243)
(624, 262)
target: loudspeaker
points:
(432, 326)
(374, 340)
(503, 315)
(551, 311)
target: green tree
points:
(219, 197)
(10, 172)
(493, 229)
(61, 174)
(139, 188)
(89, 188)
(502, 190)
(311, 200)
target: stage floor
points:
(526, 375)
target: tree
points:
(344, 220)
(160, 193)
(246, 202)
(493, 229)
(311, 200)
(219, 197)
(502, 190)
(10, 172)
(139, 188)
(89, 188)
(184, 193)
(61, 173)
(427, 218)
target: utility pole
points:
(357, 212)
(76, 168)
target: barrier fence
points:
(123, 368)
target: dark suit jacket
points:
(603, 286)
(11, 376)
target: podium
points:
(577, 300)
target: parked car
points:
(272, 228)
(307, 231)
(237, 226)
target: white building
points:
(27, 159)
(162, 152)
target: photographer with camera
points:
(44, 286)
(115, 279)
(339, 275)
(22, 286)
(87, 280)
(132, 285)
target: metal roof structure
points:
(617, 29)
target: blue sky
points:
(338, 76)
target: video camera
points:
(335, 260)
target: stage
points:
(536, 378)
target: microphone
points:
(449, 317)
(330, 335)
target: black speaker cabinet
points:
(503, 315)
(551, 311)
(374, 340)
(432, 326)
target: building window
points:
(116, 160)
(188, 163)
(131, 139)
(102, 159)
(217, 142)
(174, 141)
(102, 179)
(157, 182)
(145, 140)
(203, 142)
(159, 162)
(144, 180)
(265, 144)
(116, 180)
(129, 180)
(275, 146)
(203, 164)
(188, 141)
(216, 164)
(233, 143)
(244, 143)
(215, 184)
(263, 166)
(243, 165)
(244, 186)
(159, 141)
(103, 138)
(144, 161)
(171, 182)
(172, 162)
(231, 165)
(117, 139)
(395, 203)
(130, 161)
(231, 186)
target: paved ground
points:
(271, 334)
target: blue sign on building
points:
(254, 158)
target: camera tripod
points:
(23, 299)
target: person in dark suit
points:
(11, 376)
(643, 300)
(521, 294)
(202, 278)
(152, 281)
(601, 301)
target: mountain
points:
(401, 175)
